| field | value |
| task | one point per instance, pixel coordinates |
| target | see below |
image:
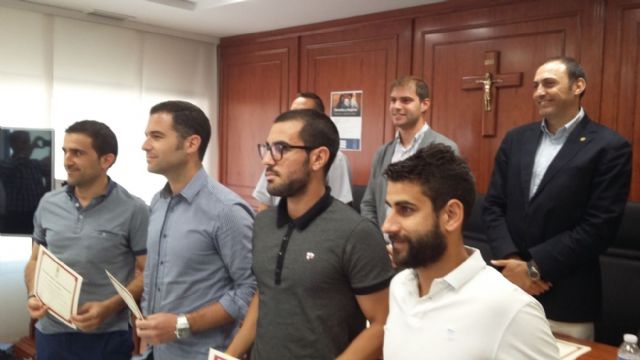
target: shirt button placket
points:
(79, 218)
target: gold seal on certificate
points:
(57, 286)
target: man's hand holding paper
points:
(57, 286)
(91, 314)
(37, 310)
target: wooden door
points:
(517, 38)
(257, 83)
(368, 58)
(621, 93)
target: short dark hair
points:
(317, 130)
(422, 89)
(441, 174)
(20, 143)
(188, 120)
(19, 136)
(574, 69)
(318, 104)
(103, 140)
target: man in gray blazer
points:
(408, 105)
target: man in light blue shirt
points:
(198, 282)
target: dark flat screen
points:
(26, 168)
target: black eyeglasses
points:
(278, 149)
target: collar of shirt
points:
(197, 182)
(70, 189)
(564, 131)
(459, 276)
(416, 139)
(303, 221)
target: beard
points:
(422, 250)
(294, 186)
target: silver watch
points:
(182, 327)
(534, 273)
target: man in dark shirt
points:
(321, 268)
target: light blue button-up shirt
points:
(198, 253)
(548, 148)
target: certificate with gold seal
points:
(57, 286)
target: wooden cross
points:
(488, 83)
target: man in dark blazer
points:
(556, 199)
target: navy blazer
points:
(570, 220)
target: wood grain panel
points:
(448, 42)
(621, 94)
(257, 83)
(524, 35)
(367, 58)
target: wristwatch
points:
(534, 273)
(182, 327)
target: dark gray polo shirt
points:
(107, 234)
(308, 308)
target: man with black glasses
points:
(338, 177)
(322, 269)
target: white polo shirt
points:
(471, 313)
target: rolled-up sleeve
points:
(233, 238)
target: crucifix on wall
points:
(489, 83)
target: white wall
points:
(55, 71)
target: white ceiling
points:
(220, 18)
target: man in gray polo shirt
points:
(321, 268)
(198, 281)
(92, 224)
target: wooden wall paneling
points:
(257, 82)
(348, 24)
(621, 95)
(450, 47)
(365, 57)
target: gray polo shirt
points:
(309, 271)
(106, 234)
